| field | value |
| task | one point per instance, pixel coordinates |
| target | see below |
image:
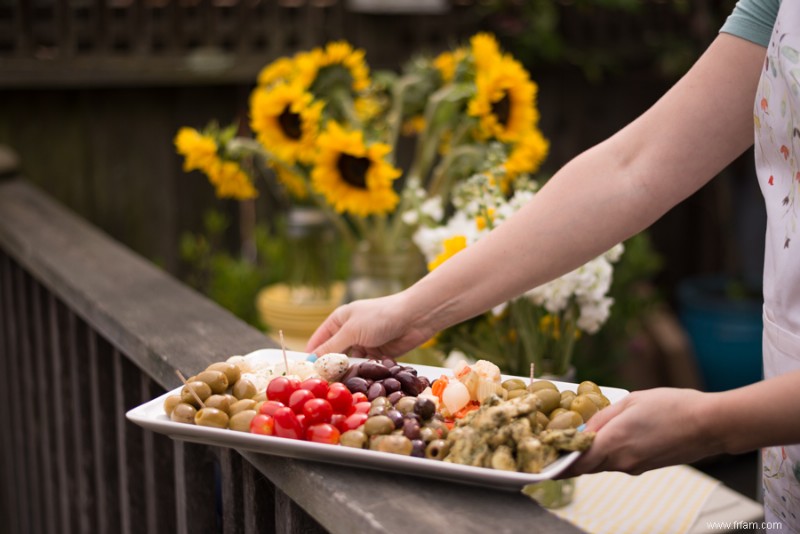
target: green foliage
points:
(665, 36)
(233, 281)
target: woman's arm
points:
(600, 198)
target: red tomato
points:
(281, 388)
(303, 424)
(298, 399)
(323, 433)
(317, 411)
(359, 397)
(269, 407)
(340, 397)
(286, 424)
(317, 386)
(262, 424)
(337, 420)
(354, 421)
(361, 407)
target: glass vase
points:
(309, 254)
(377, 271)
(554, 494)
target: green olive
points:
(405, 404)
(437, 449)
(377, 410)
(542, 419)
(584, 406)
(211, 417)
(601, 401)
(231, 370)
(550, 399)
(555, 413)
(201, 389)
(378, 424)
(381, 401)
(438, 427)
(170, 403)
(428, 434)
(514, 393)
(220, 402)
(241, 405)
(513, 383)
(566, 398)
(261, 396)
(395, 444)
(536, 385)
(217, 380)
(587, 386)
(353, 438)
(183, 413)
(240, 421)
(244, 389)
(564, 420)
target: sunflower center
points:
(290, 124)
(353, 170)
(502, 109)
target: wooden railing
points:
(89, 330)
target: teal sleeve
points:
(752, 20)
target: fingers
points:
(322, 340)
(602, 417)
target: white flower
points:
(411, 217)
(615, 253)
(433, 208)
(594, 314)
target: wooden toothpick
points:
(191, 388)
(531, 372)
(285, 359)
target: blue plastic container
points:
(725, 333)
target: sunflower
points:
(199, 151)
(280, 70)
(286, 119)
(504, 102)
(293, 182)
(526, 155)
(353, 176)
(312, 65)
(447, 62)
(452, 246)
(485, 51)
(230, 181)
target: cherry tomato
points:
(354, 421)
(361, 407)
(359, 397)
(269, 407)
(281, 388)
(298, 399)
(286, 424)
(323, 433)
(337, 420)
(317, 411)
(262, 424)
(317, 386)
(303, 424)
(340, 397)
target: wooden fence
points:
(89, 330)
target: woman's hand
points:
(372, 327)
(647, 430)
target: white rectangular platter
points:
(151, 416)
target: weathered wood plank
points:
(160, 324)
(104, 434)
(80, 421)
(291, 519)
(10, 504)
(231, 480)
(58, 411)
(349, 500)
(42, 409)
(259, 501)
(31, 386)
(195, 488)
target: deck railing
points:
(89, 330)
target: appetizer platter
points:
(470, 425)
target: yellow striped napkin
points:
(666, 500)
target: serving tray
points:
(151, 416)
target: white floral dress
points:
(777, 151)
